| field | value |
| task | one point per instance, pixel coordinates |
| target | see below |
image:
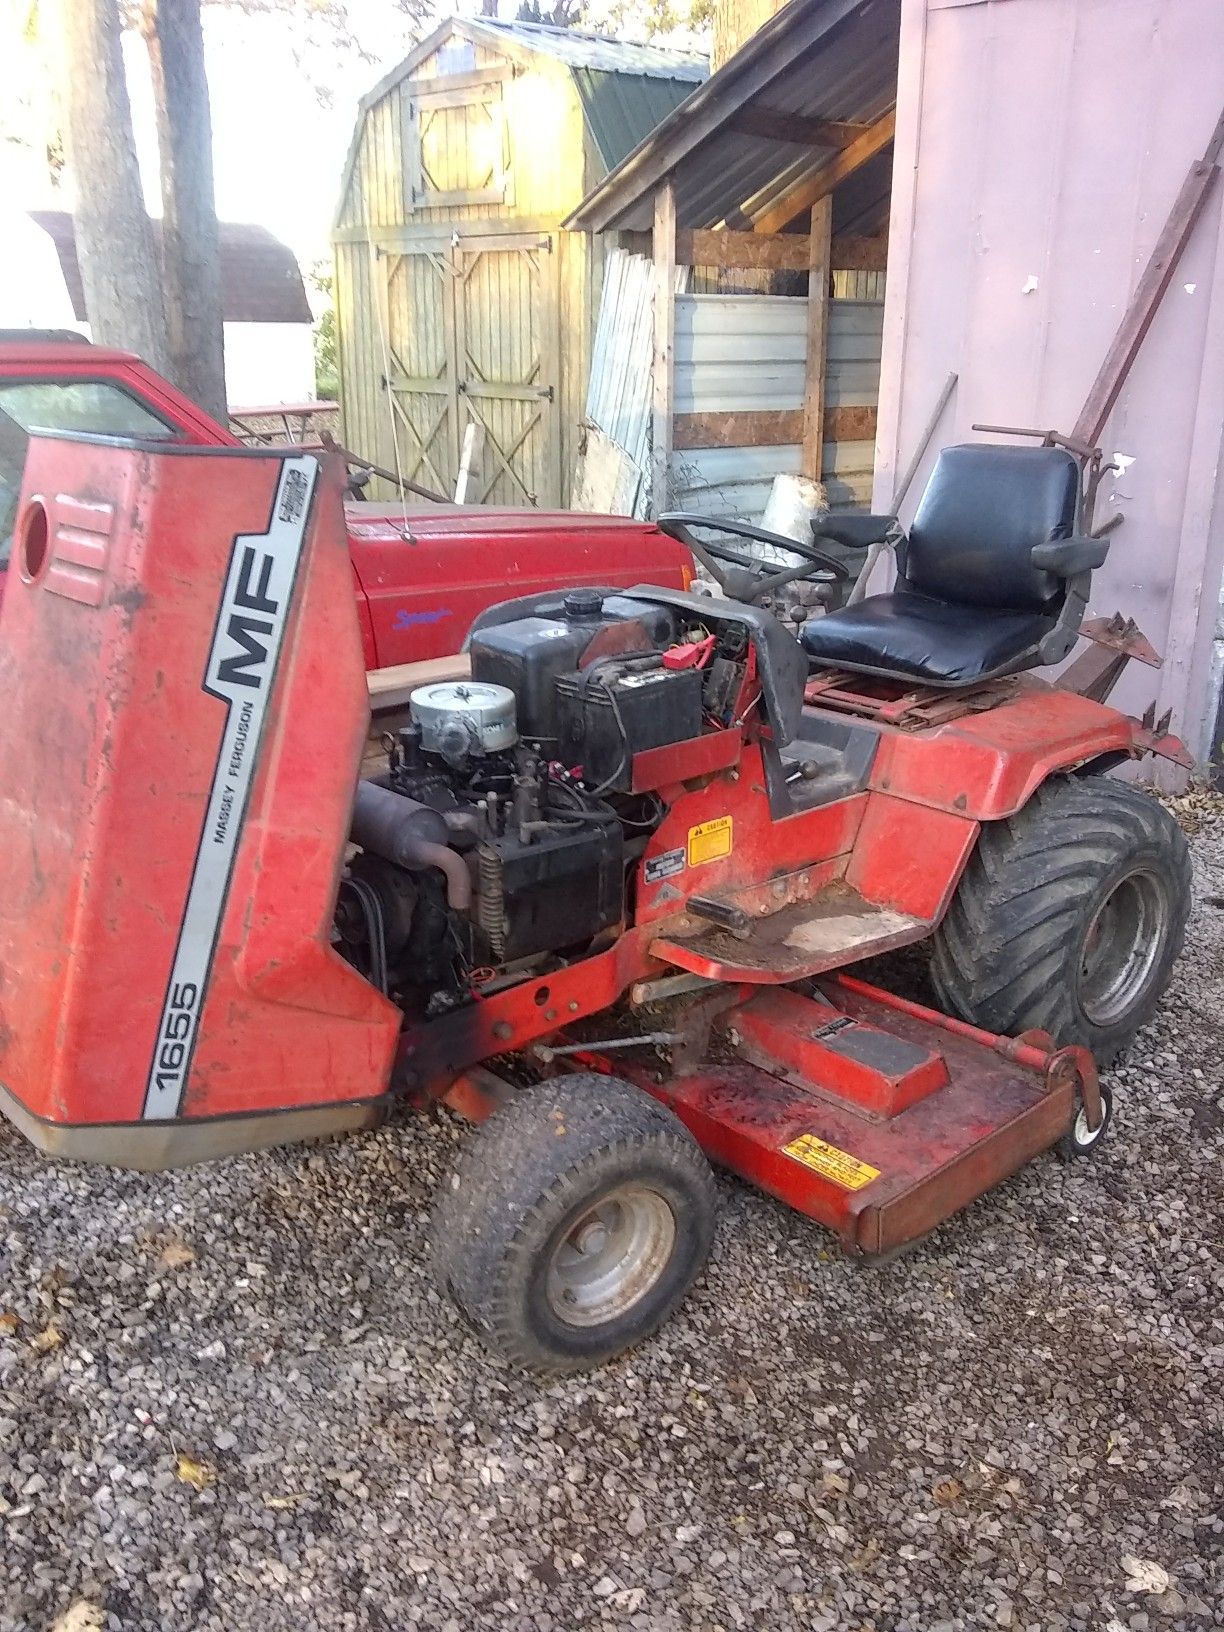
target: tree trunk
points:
(114, 240)
(191, 251)
(734, 23)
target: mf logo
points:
(258, 586)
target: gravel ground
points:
(1017, 1425)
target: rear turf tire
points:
(574, 1224)
(1069, 917)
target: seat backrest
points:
(983, 511)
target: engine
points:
(501, 837)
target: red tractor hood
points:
(427, 572)
(383, 518)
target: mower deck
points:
(877, 1118)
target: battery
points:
(610, 712)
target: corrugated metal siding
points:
(733, 353)
(618, 397)
(737, 352)
(735, 482)
(744, 352)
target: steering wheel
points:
(740, 575)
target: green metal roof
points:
(626, 89)
(622, 109)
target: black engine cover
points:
(556, 892)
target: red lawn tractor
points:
(606, 896)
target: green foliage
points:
(326, 356)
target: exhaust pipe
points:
(410, 835)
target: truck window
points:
(95, 406)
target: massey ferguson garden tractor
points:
(605, 894)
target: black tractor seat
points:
(992, 578)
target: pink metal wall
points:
(1040, 144)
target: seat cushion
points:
(915, 637)
(983, 511)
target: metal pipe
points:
(411, 835)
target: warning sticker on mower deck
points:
(709, 841)
(831, 1163)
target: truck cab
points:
(421, 572)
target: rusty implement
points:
(1095, 673)
(1113, 643)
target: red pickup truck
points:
(421, 576)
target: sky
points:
(278, 146)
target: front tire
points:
(1069, 917)
(575, 1223)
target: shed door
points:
(472, 332)
(506, 324)
(419, 370)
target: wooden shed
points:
(458, 297)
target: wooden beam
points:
(1149, 291)
(760, 251)
(798, 128)
(820, 244)
(755, 428)
(747, 250)
(851, 423)
(663, 365)
(391, 688)
(769, 428)
(873, 140)
(852, 253)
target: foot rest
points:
(834, 927)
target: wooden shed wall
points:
(526, 312)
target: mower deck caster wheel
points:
(574, 1224)
(1081, 1140)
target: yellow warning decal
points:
(709, 841)
(830, 1163)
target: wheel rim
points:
(611, 1256)
(1083, 1134)
(1122, 947)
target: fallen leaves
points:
(1144, 1575)
(177, 1255)
(82, 1616)
(49, 1338)
(199, 1475)
(947, 1491)
(9, 1322)
(291, 1499)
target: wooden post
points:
(663, 365)
(470, 459)
(820, 246)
